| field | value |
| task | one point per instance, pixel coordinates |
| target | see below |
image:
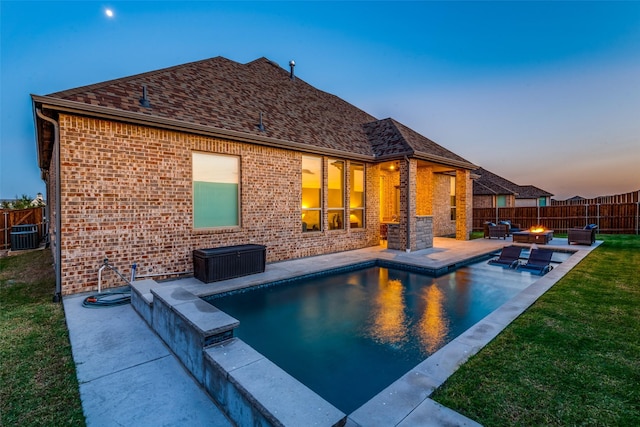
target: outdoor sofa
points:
(501, 231)
(582, 236)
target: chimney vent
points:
(261, 127)
(292, 64)
(144, 101)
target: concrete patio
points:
(129, 376)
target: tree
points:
(24, 202)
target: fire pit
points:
(536, 234)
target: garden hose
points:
(108, 299)
(112, 298)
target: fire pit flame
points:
(537, 229)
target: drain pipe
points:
(408, 248)
(57, 297)
(176, 273)
(106, 264)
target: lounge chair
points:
(509, 256)
(539, 260)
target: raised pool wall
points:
(248, 387)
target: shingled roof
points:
(531, 192)
(489, 183)
(218, 94)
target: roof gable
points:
(224, 94)
(531, 192)
(391, 139)
(220, 94)
(490, 183)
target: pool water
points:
(350, 335)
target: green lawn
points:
(37, 374)
(573, 358)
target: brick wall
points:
(442, 223)
(424, 198)
(424, 232)
(464, 204)
(127, 196)
(483, 201)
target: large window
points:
(356, 195)
(216, 190)
(335, 196)
(311, 193)
(452, 192)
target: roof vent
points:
(292, 64)
(144, 101)
(261, 127)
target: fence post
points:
(586, 214)
(6, 230)
(637, 217)
(598, 215)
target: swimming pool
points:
(348, 336)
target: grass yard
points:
(573, 358)
(37, 373)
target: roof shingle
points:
(224, 94)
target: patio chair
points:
(509, 256)
(511, 227)
(500, 231)
(539, 260)
(582, 236)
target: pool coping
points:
(409, 395)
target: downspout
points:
(57, 297)
(408, 248)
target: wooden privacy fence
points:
(612, 218)
(11, 217)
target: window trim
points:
(332, 209)
(238, 198)
(361, 209)
(320, 208)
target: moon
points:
(109, 13)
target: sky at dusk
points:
(540, 93)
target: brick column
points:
(408, 179)
(424, 188)
(464, 204)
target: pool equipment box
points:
(227, 262)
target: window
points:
(501, 201)
(216, 190)
(356, 195)
(452, 192)
(335, 195)
(542, 201)
(311, 193)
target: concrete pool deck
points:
(128, 376)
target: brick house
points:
(147, 168)
(493, 191)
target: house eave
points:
(96, 111)
(444, 161)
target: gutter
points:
(445, 161)
(79, 108)
(57, 297)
